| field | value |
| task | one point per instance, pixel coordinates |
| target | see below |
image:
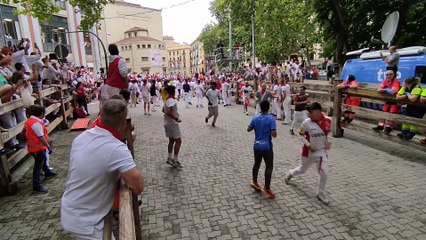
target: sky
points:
(183, 22)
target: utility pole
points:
(253, 42)
(230, 39)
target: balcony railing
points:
(50, 47)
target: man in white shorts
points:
(146, 96)
(171, 127)
(246, 90)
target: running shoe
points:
(149, 114)
(247, 113)
(268, 193)
(288, 178)
(145, 114)
(378, 128)
(170, 161)
(256, 186)
(177, 164)
(291, 132)
(206, 120)
(322, 199)
(388, 130)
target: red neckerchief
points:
(263, 90)
(111, 130)
(170, 96)
(323, 124)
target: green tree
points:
(350, 24)
(43, 9)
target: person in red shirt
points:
(117, 75)
(81, 97)
(389, 86)
(350, 82)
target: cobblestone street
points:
(376, 189)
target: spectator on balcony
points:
(349, 115)
(117, 74)
(389, 86)
(411, 91)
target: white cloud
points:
(183, 22)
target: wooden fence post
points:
(337, 111)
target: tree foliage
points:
(350, 25)
(43, 9)
(281, 26)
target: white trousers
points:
(199, 96)
(229, 97)
(277, 107)
(10, 119)
(186, 97)
(287, 109)
(298, 119)
(225, 97)
(322, 169)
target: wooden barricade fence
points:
(8, 163)
(129, 218)
(371, 114)
(318, 91)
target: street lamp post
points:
(102, 44)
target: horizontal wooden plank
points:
(373, 94)
(10, 106)
(54, 124)
(69, 112)
(17, 157)
(52, 108)
(12, 132)
(69, 99)
(374, 114)
(48, 92)
(366, 129)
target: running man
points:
(313, 135)
(171, 126)
(265, 129)
(225, 93)
(246, 90)
(213, 96)
(286, 89)
(199, 91)
(278, 92)
(300, 114)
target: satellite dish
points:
(389, 27)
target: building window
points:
(138, 46)
(143, 46)
(144, 59)
(129, 35)
(61, 4)
(164, 59)
(53, 32)
(125, 47)
(149, 45)
(135, 34)
(127, 60)
(130, 47)
(122, 48)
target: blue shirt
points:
(263, 125)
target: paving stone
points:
(373, 194)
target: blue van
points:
(368, 67)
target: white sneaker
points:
(322, 199)
(287, 178)
(177, 164)
(247, 113)
(170, 161)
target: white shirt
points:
(315, 136)
(19, 56)
(37, 127)
(133, 88)
(171, 102)
(246, 91)
(286, 90)
(213, 96)
(199, 88)
(278, 91)
(96, 161)
(145, 90)
(225, 87)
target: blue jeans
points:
(39, 164)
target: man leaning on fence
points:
(98, 159)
